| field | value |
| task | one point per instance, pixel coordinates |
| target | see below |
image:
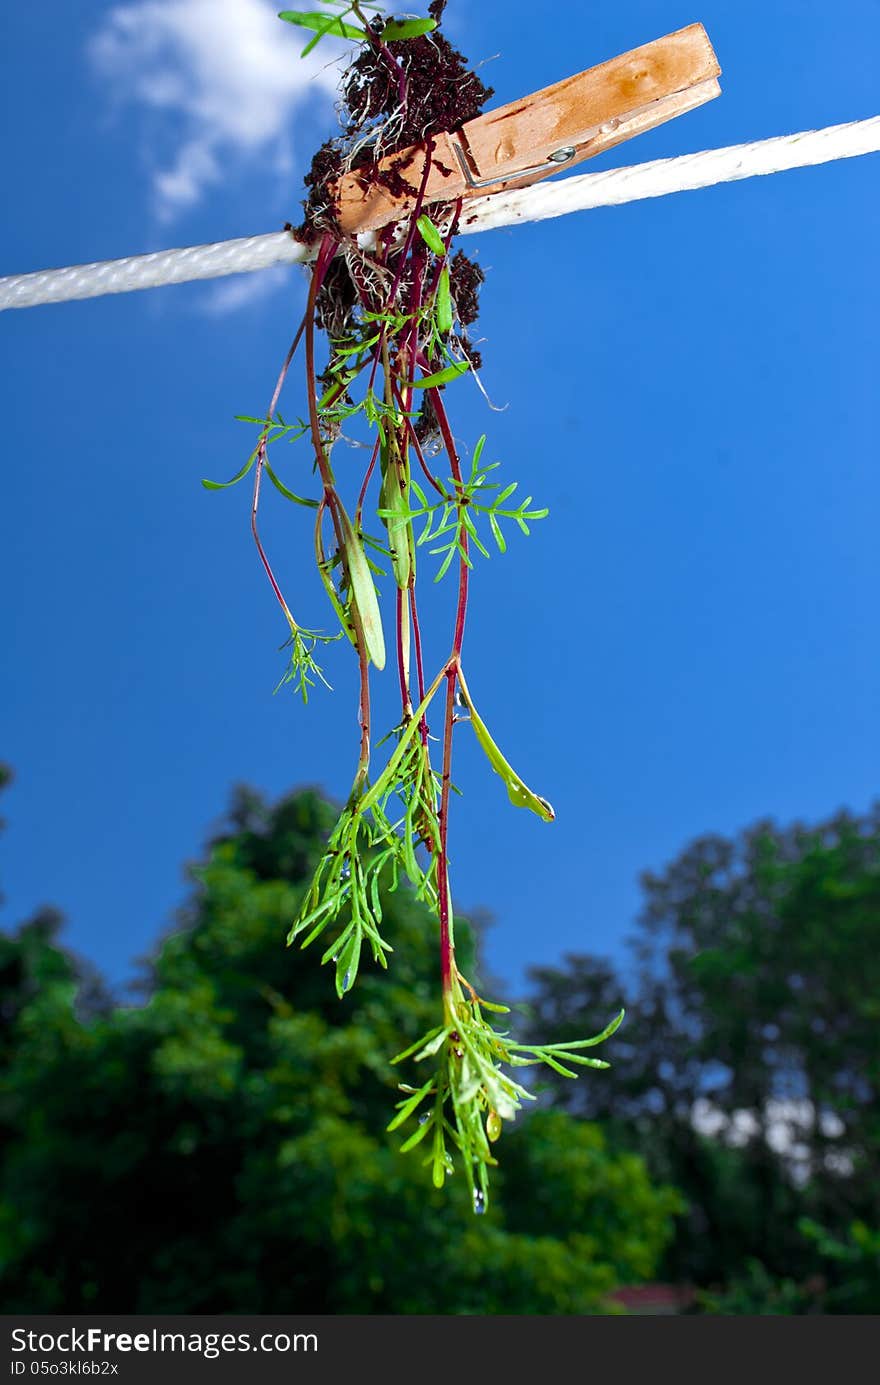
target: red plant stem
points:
(382, 48)
(363, 716)
(360, 503)
(413, 220)
(463, 569)
(417, 645)
(440, 265)
(403, 398)
(419, 260)
(416, 445)
(382, 343)
(325, 255)
(447, 943)
(448, 970)
(258, 468)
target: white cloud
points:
(228, 75)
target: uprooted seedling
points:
(395, 316)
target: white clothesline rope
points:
(536, 203)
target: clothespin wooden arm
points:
(528, 140)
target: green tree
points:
(752, 1016)
(847, 1278)
(222, 1146)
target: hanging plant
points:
(395, 316)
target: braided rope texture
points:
(662, 177)
(537, 203)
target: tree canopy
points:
(221, 1146)
(748, 1072)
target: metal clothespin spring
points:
(559, 156)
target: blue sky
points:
(687, 644)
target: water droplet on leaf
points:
(346, 981)
(493, 1125)
(479, 1201)
(424, 1118)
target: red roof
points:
(654, 1298)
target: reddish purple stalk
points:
(407, 359)
(261, 458)
(326, 252)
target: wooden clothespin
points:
(531, 139)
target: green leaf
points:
(332, 952)
(363, 592)
(432, 1047)
(441, 377)
(339, 608)
(472, 530)
(420, 495)
(438, 1157)
(406, 1108)
(397, 524)
(288, 495)
(426, 1038)
(347, 963)
(520, 795)
(496, 530)
(444, 566)
(444, 303)
(397, 29)
(416, 1137)
(606, 1033)
(322, 24)
(430, 235)
(239, 475)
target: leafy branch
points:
(469, 1096)
(327, 24)
(303, 670)
(454, 513)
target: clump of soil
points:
(465, 279)
(442, 94)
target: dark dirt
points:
(465, 280)
(442, 95)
